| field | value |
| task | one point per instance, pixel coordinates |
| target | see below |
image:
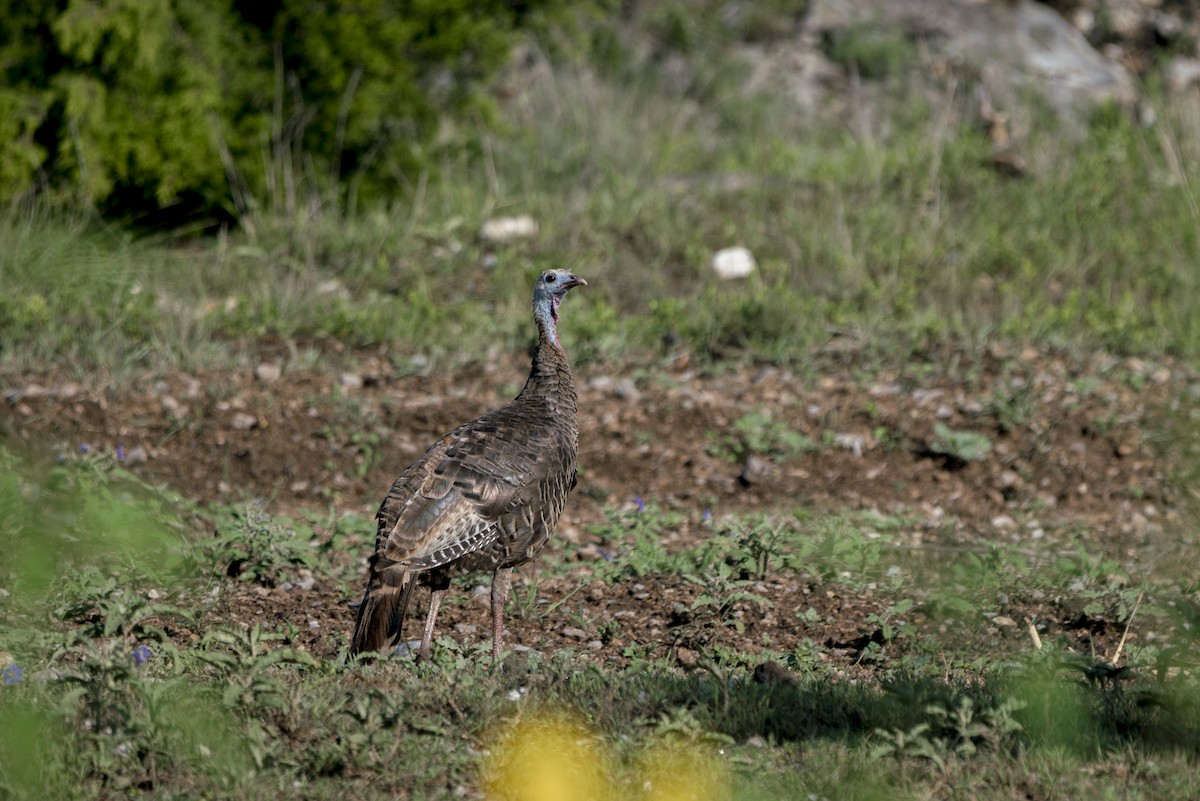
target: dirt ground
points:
(1081, 455)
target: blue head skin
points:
(551, 287)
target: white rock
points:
(268, 373)
(851, 442)
(1182, 72)
(505, 229)
(136, 455)
(735, 262)
(1011, 46)
(1003, 522)
(243, 422)
(333, 288)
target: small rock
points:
(243, 422)
(1010, 479)
(755, 470)
(1168, 27)
(574, 633)
(153, 595)
(851, 442)
(136, 455)
(306, 583)
(601, 383)
(1003, 522)
(314, 624)
(351, 381)
(772, 673)
(173, 407)
(686, 657)
(333, 288)
(594, 645)
(30, 391)
(731, 263)
(506, 229)
(626, 389)
(466, 628)
(407, 650)
(268, 373)
(1003, 621)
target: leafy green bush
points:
(155, 107)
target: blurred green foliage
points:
(83, 512)
(184, 107)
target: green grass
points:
(235, 708)
(903, 238)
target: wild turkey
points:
(486, 496)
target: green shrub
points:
(152, 107)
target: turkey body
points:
(485, 497)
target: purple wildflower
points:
(608, 555)
(12, 674)
(639, 503)
(707, 516)
(120, 452)
(84, 447)
(141, 655)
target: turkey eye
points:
(550, 279)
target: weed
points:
(871, 52)
(959, 446)
(250, 544)
(758, 432)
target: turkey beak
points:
(574, 281)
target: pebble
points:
(732, 263)
(268, 373)
(243, 422)
(851, 442)
(626, 389)
(1010, 479)
(506, 229)
(755, 470)
(574, 633)
(1003, 522)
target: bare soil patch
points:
(1079, 455)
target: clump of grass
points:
(959, 446)
(252, 545)
(758, 432)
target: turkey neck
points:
(550, 374)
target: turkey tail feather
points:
(380, 620)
